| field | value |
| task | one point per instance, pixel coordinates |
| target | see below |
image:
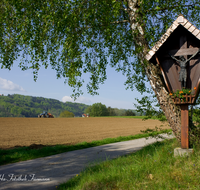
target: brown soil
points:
(38, 132)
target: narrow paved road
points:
(48, 172)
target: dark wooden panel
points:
(183, 41)
(194, 73)
(171, 71)
(164, 75)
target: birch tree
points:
(86, 36)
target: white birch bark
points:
(171, 111)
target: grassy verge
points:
(137, 117)
(153, 167)
(27, 153)
(134, 117)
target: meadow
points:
(153, 167)
(29, 138)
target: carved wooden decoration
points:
(178, 55)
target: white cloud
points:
(9, 85)
(67, 99)
(78, 100)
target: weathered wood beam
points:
(163, 73)
(184, 127)
(180, 52)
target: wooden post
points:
(184, 127)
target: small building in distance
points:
(85, 115)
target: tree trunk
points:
(153, 73)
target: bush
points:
(129, 113)
(66, 114)
(97, 109)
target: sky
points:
(112, 93)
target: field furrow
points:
(52, 131)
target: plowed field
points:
(51, 131)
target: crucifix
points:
(177, 53)
(183, 64)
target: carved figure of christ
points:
(183, 64)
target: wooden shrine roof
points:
(179, 21)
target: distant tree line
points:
(28, 106)
(99, 109)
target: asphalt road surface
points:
(48, 172)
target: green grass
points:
(27, 153)
(136, 117)
(153, 167)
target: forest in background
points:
(17, 105)
(28, 106)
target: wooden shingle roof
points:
(179, 21)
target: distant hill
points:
(28, 106)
